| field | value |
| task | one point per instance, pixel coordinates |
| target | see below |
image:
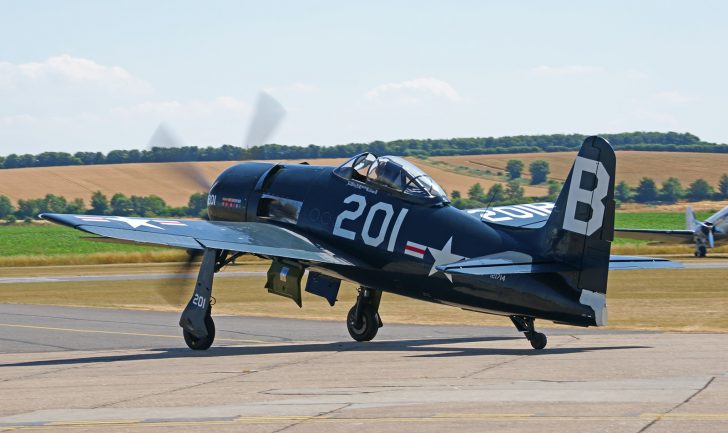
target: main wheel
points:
(195, 343)
(702, 251)
(538, 340)
(368, 327)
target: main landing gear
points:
(363, 320)
(525, 324)
(198, 328)
(201, 343)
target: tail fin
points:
(581, 226)
(690, 220)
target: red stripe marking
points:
(414, 249)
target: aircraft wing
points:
(245, 237)
(499, 266)
(662, 236)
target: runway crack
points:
(506, 362)
(181, 388)
(677, 406)
(319, 415)
(30, 343)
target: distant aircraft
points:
(703, 234)
(385, 225)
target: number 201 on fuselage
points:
(370, 235)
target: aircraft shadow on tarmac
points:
(423, 348)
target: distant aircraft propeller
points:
(708, 230)
(266, 118)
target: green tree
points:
(496, 193)
(623, 192)
(53, 203)
(76, 206)
(514, 191)
(539, 171)
(646, 191)
(99, 203)
(699, 190)
(121, 205)
(476, 192)
(6, 207)
(28, 208)
(151, 205)
(455, 194)
(155, 205)
(671, 190)
(197, 204)
(554, 190)
(514, 167)
(723, 186)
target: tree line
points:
(658, 141)
(100, 204)
(647, 191)
(671, 191)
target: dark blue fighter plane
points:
(385, 225)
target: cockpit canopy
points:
(392, 173)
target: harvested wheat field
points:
(171, 182)
(167, 180)
(631, 165)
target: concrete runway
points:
(85, 369)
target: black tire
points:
(195, 343)
(702, 251)
(369, 324)
(538, 340)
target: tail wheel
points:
(367, 329)
(204, 343)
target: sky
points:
(101, 75)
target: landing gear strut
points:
(363, 320)
(525, 324)
(198, 328)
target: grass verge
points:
(679, 300)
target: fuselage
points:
(395, 240)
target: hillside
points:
(166, 180)
(170, 183)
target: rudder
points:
(581, 226)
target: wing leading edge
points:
(244, 237)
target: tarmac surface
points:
(86, 369)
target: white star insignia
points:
(443, 257)
(134, 222)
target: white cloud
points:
(566, 71)
(186, 110)
(672, 97)
(65, 70)
(74, 103)
(413, 90)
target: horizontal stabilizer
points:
(652, 235)
(624, 263)
(500, 266)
